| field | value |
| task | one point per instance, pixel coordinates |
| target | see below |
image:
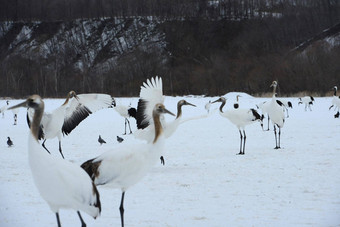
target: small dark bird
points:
(9, 142)
(120, 139)
(100, 140)
(162, 160)
(337, 115)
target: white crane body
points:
(276, 115)
(68, 116)
(60, 183)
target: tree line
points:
(30, 10)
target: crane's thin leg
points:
(241, 137)
(58, 220)
(276, 147)
(121, 209)
(60, 150)
(43, 144)
(129, 125)
(15, 119)
(125, 127)
(162, 160)
(83, 224)
(244, 141)
(279, 137)
(268, 122)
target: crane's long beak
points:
(190, 104)
(23, 104)
(218, 100)
(167, 111)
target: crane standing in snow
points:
(276, 115)
(126, 165)
(240, 118)
(308, 101)
(126, 112)
(263, 106)
(3, 109)
(335, 102)
(60, 183)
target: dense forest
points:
(199, 47)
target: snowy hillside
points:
(86, 43)
(203, 182)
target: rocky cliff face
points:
(89, 51)
(82, 43)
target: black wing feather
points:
(256, 114)
(140, 116)
(78, 116)
(279, 102)
(290, 104)
(132, 112)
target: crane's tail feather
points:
(91, 168)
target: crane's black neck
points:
(222, 105)
(179, 110)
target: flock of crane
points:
(63, 184)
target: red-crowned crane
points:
(240, 118)
(308, 101)
(207, 106)
(66, 117)
(126, 165)
(3, 109)
(152, 92)
(335, 102)
(276, 115)
(264, 105)
(60, 183)
(14, 111)
(126, 112)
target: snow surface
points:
(203, 182)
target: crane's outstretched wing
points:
(151, 93)
(81, 107)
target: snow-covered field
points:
(203, 182)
